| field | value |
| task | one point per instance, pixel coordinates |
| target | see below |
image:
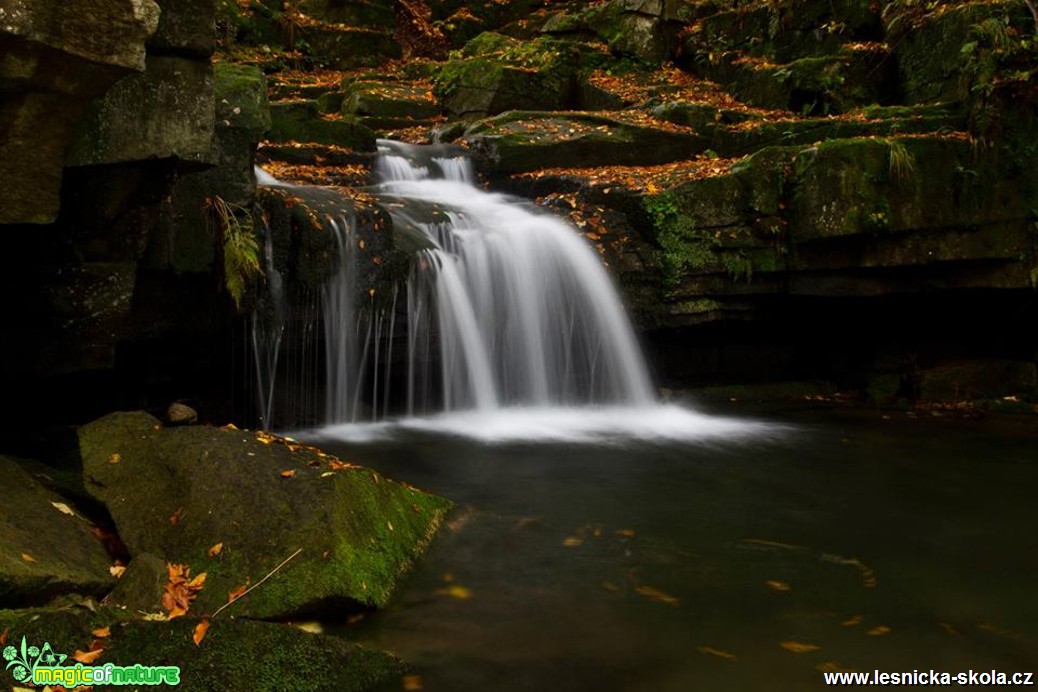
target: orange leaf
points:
(237, 593)
(28, 558)
(288, 474)
(87, 657)
(102, 632)
(115, 458)
(197, 583)
(176, 611)
(175, 518)
(200, 629)
(215, 550)
(3, 636)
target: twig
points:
(249, 590)
(1034, 13)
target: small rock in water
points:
(181, 414)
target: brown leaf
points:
(657, 595)
(176, 611)
(28, 558)
(87, 657)
(215, 550)
(798, 647)
(3, 636)
(288, 474)
(778, 585)
(115, 458)
(198, 583)
(175, 518)
(200, 629)
(102, 632)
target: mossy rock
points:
(978, 379)
(300, 121)
(178, 492)
(871, 186)
(45, 551)
(342, 47)
(402, 100)
(496, 73)
(235, 654)
(369, 14)
(525, 141)
(241, 98)
(633, 28)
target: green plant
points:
(901, 161)
(241, 264)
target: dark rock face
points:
(46, 543)
(55, 58)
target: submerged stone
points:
(178, 492)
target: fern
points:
(241, 265)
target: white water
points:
(514, 330)
(514, 301)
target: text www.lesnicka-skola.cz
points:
(931, 677)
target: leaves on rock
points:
(215, 550)
(798, 647)
(28, 558)
(288, 474)
(63, 508)
(180, 590)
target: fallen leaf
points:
(197, 583)
(833, 667)
(572, 542)
(87, 657)
(412, 683)
(102, 632)
(878, 631)
(310, 627)
(657, 595)
(28, 558)
(3, 636)
(778, 585)
(719, 653)
(174, 519)
(215, 550)
(288, 474)
(200, 629)
(63, 508)
(798, 647)
(625, 533)
(852, 621)
(456, 591)
(237, 593)
(948, 629)
(115, 458)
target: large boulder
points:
(46, 547)
(301, 121)
(496, 73)
(179, 492)
(166, 112)
(55, 58)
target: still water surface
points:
(749, 561)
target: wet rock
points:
(177, 492)
(45, 543)
(300, 121)
(978, 379)
(186, 27)
(181, 414)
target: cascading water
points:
(514, 330)
(520, 306)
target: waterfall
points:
(517, 304)
(505, 306)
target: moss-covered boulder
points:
(46, 547)
(301, 121)
(166, 112)
(370, 14)
(496, 73)
(524, 140)
(390, 104)
(237, 655)
(179, 492)
(977, 379)
(343, 47)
